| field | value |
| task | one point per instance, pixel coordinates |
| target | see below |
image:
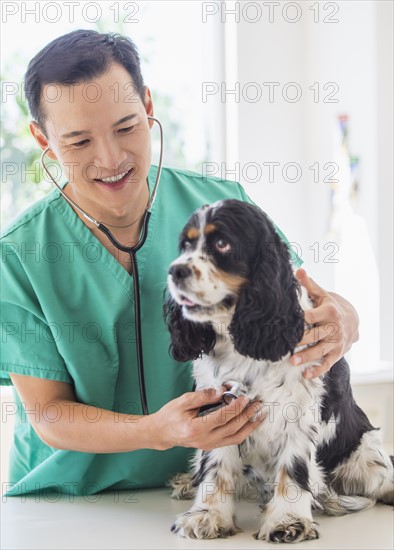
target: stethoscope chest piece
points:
(236, 390)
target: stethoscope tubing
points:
(131, 250)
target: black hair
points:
(79, 56)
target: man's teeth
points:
(113, 179)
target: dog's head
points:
(233, 270)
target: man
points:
(68, 307)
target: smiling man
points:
(100, 131)
(68, 320)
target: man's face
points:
(97, 130)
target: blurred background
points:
(292, 99)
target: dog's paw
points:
(291, 529)
(203, 524)
(182, 486)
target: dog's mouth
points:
(190, 305)
(185, 301)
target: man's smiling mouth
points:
(115, 182)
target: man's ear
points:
(40, 138)
(149, 105)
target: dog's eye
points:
(186, 245)
(222, 246)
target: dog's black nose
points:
(180, 271)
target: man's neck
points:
(126, 228)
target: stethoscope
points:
(236, 389)
(131, 250)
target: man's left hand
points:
(335, 328)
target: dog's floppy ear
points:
(188, 340)
(268, 321)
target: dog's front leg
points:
(288, 515)
(212, 514)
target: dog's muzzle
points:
(179, 272)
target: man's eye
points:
(80, 143)
(222, 246)
(126, 130)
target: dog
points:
(235, 307)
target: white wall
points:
(355, 54)
(274, 131)
(385, 148)
(345, 52)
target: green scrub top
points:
(67, 314)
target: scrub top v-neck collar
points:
(86, 237)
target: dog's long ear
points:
(268, 321)
(188, 340)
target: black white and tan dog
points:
(235, 308)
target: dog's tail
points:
(339, 505)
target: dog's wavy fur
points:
(235, 308)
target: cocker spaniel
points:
(235, 307)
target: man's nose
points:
(109, 156)
(179, 272)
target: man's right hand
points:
(177, 423)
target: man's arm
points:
(63, 423)
(336, 328)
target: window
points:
(178, 53)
